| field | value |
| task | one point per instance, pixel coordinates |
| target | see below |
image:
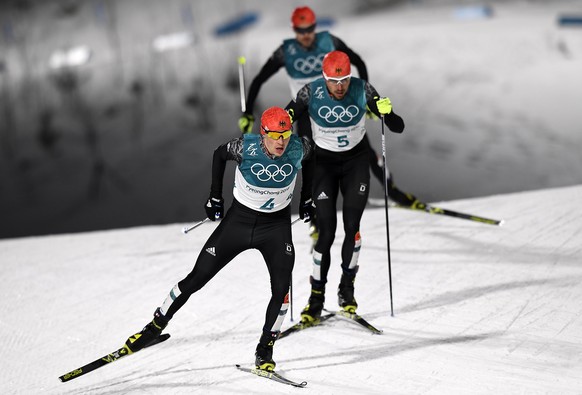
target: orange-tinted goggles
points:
(277, 135)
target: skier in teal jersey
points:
(301, 57)
(336, 105)
(259, 216)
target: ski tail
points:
(430, 209)
(304, 325)
(359, 320)
(272, 375)
(457, 214)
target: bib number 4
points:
(269, 204)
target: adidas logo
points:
(211, 251)
(322, 196)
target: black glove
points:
(394, 122)
(370, 114)
(306, 210)
(214, 208)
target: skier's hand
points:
(214, 208)
(246, 122)
(384, 105)
(306, 210)
(291, 113)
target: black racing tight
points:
(348, 173)
(240, 230)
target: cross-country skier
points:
(259, 216)
(301, 57)
(336, 105)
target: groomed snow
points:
(478, 309)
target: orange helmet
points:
(275, 119)
(302, 16)
(336, 64)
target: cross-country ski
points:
(272, 375)
(107, 359)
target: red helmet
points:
(336, 64)
(275, 119)
(302, 16)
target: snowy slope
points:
(478, 309)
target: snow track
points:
(478, 309)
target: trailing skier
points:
(336, 105)
(301, 58)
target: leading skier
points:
(259, 216)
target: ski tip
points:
(71, 375)
(501, 222)
(242, 60)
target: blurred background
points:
(110, 110)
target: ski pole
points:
(187, 229)
(291, 283)
(386, 209)
(291, 297)
(241, 80)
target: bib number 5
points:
(342, 141)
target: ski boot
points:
(149, 333)
(264, 352)
(345, 293)
(402, 198)
(312, 312)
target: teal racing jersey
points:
(304, 65)
(338, 125)
(264, 183)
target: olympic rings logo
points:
(272, 172)
(338, 113)
(309, 64)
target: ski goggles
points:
(277, 135)
(338, 81)
(304, 30)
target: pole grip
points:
(241, 79)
